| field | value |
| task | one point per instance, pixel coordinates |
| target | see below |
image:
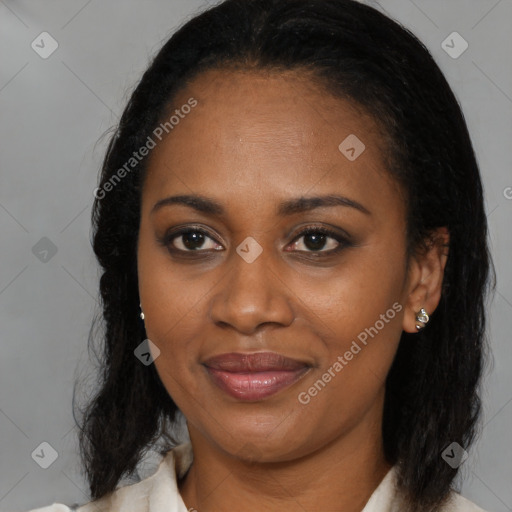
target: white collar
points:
(159, 492)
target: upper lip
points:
(253, 362)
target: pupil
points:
(317, 239)
(192, 237)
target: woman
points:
(292, 206)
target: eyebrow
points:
(289, 207)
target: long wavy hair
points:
(359, 54)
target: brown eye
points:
(318, 239)
(190, 240)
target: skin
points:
(256, 139)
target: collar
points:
(159, 492)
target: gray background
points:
(54, 112)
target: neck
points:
(344, 472)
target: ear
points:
(425, 277)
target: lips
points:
(256, 362)
(254, 376)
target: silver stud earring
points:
(141, 312)
(422, 318)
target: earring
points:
(141, 312)
(422, 318)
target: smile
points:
(252, 377)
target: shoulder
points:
(56, 507)
(158, 492)
(458, 503)
(388, 498)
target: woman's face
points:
(243, 280)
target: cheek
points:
(357, 313)
(354, 297)
(357, 354)
(176, 329)
(172, 294)
(172, 302)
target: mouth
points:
(252, 377)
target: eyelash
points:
(168, 238)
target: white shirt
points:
(159, 492)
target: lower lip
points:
(256, 385)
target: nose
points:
(251, 295)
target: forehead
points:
(267, 131)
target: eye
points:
(317, 239)
(189, 239)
